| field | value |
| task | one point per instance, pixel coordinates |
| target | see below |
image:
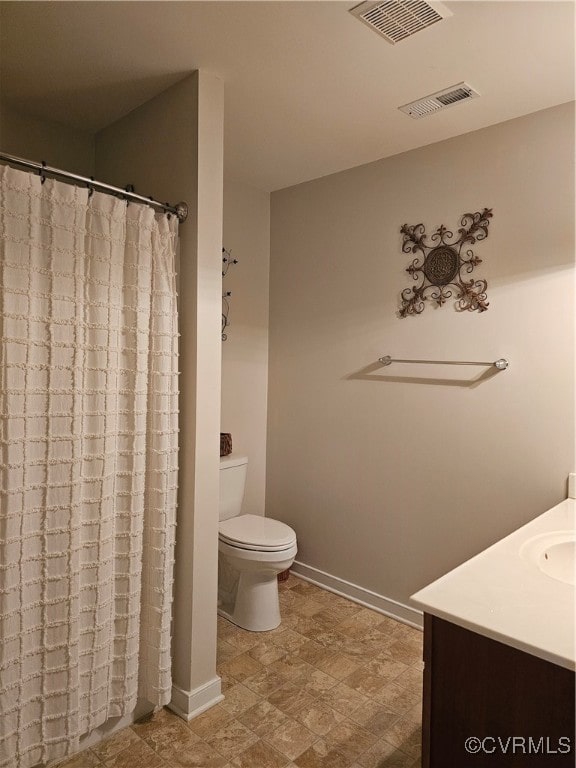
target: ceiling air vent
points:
(440, 100)
(396, 20)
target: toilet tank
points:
(232, 481)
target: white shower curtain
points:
(88, 462)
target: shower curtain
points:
(88, 462)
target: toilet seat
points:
(256, 533)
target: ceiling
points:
(309, 89)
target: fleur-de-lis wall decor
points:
(441, 266)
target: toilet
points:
(253, 550)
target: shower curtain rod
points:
(180, 210)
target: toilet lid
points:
(256, 532)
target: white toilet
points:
(253, 550)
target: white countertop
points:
(503, 596)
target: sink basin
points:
(554, 554)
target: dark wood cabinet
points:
(519, 708)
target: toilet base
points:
(256, 607)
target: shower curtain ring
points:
(90, 188)
(41, 172)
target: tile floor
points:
(335, 686)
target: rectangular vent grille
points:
(440, 100)
(396, 20)
(454, 96)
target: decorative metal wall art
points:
(227, 260)
(442, 265)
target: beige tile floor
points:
(335, 686)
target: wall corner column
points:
(172, 147)
(196, 686)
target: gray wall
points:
(245, 352)
(58, 145)
(390, 482)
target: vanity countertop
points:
(504, 596)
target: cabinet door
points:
(477, 687)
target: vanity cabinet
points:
(477, 687)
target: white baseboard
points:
(365, 597)
(190, 704)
